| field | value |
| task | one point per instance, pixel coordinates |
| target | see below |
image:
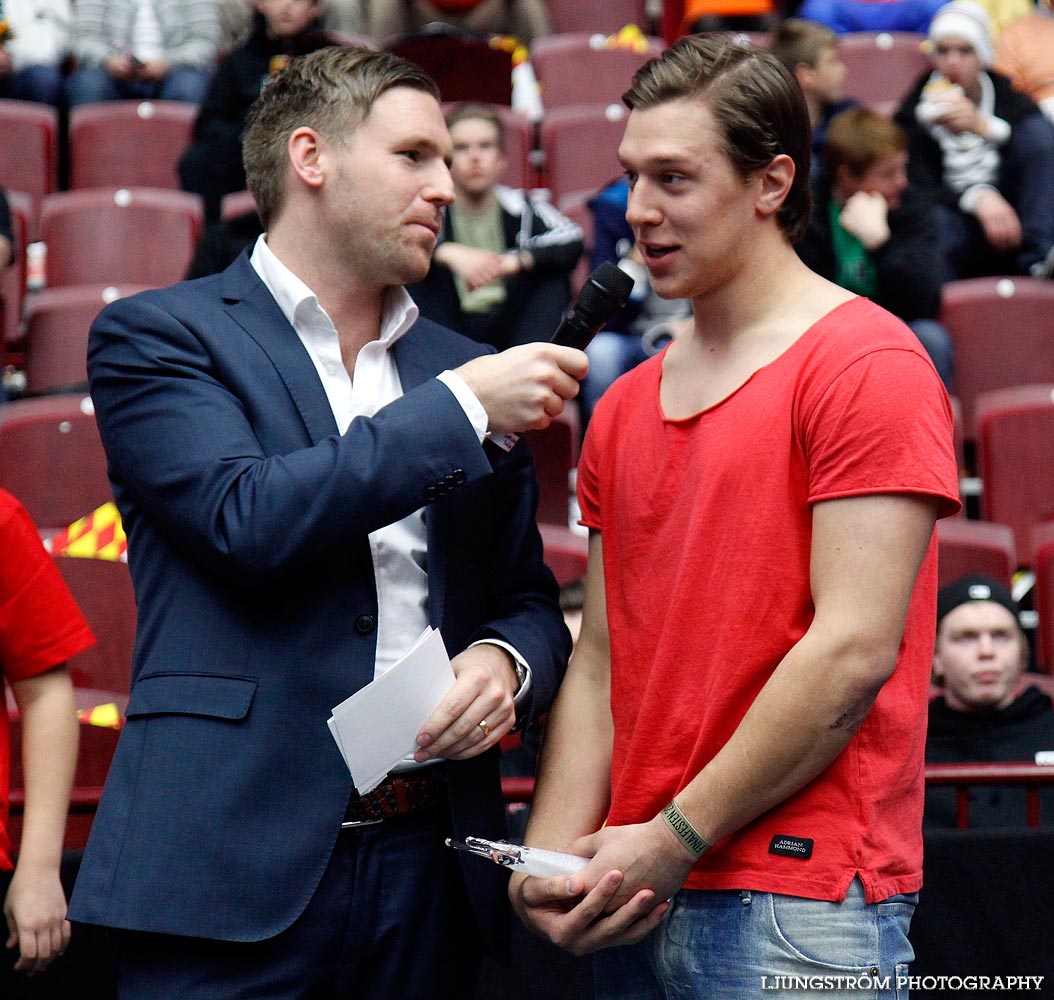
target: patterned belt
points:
(398, 795)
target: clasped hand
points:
(618, 898)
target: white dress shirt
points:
(399, 550)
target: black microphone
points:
(605, 292)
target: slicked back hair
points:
(331, 91)
(757, 105)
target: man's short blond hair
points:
(331, 91)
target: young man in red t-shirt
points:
(741, 729)
(40, 628)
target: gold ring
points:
(486, 729)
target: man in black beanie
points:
(986, 713)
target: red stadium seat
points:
(1043, 561)
(29, 152)
(965, 547)
(577, 68)
(129, 143)
(555, 451)
(51, 458)
(607, 16)
(883, 65)
(102, 589)
(465, 67)
(580, 147)
(56, 340)
(566, 552)
(237, 203)
(139, 236)
(1015, 428)
(1003, 331)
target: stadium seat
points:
(580, 150)
(566, 552)
(576, 69)
(465, 67)
(965, 546)
(140, 236)
(555, 451)
(102, 589)
(129, 143)
(51, 458)
(29, 152)
(1003, 332)
(237, 203)
(519, 141)
(1043, 562)
(56, 334)
(1015, 428)
(607, 16)
(13, 278)
(883, 66)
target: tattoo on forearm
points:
(851, 719)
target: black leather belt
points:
(398, 795)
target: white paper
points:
(377, 726)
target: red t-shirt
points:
(706, 524)
(40, 625)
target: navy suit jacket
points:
(247, 517)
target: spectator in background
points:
(844, 16)
(1025, 54)
(142, 49)
(32, 48)
(212, 164)
(524, 19)
(346, 16)
(870, 233)
(810, 52)
(984, 713)
(40, 629)
(1005, 12)
(983, 152)
(501, 268)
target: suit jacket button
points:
(432, 493)
(449, 481)
(459, 476)
(365, 624)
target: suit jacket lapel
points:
(254, 309)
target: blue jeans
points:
(42, 84)
(935, 338)
(611, 354)
(739, 944)
(93, 84)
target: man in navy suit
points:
(300, 467)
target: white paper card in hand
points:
(378, 725)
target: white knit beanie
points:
(967, 20)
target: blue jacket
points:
(247, 517)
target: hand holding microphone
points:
(524, 387)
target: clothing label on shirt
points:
(791, 847)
